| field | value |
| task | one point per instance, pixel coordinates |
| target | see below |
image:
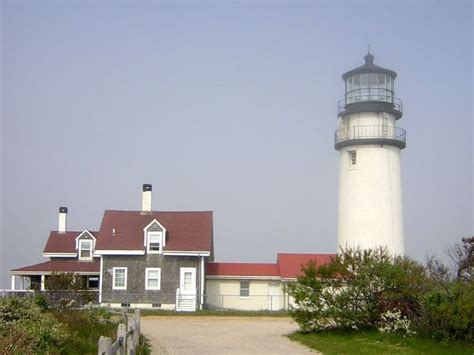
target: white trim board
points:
(186, 253)
(59, 255)
(119, 252)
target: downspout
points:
(202, 282)
(100, 280)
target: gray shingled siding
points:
(135, 292)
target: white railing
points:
(370, 132)
(186, 302)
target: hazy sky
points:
(229, 107)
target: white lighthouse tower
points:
(369, 142)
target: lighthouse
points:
(369, 144)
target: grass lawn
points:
(372, 342)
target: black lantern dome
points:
(369, 88)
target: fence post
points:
(137, 323)
(105, 345)
(132, 341)
(122, 338)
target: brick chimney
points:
(146, 198)
(62, 219)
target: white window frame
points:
(242, 289)
(114, 287)
(147, 272)
(149, 235)
(91, 242)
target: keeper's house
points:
(151, 259)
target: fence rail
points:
(128, 336)
(16, 293)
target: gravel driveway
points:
(221, 335)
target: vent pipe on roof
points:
(62, 219)
(146, 198)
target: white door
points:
(274, 297)
(187, 283)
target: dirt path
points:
(221, 335)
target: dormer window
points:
(155, 242)
(85, 249)
(154, 237)
(85, 245)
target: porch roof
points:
(79, 267)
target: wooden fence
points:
(128, 337)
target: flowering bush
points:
(355, 289)
(394, 323)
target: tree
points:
(62, 289)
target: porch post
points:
(13, 282)
(42, 283)
(22, 282)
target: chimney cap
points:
(62, 209)
(146, 187)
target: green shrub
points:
(448, 307)
(41, 301)
(25, 328)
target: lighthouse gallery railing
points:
(357, 96)
(370, 132)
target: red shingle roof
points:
(63, 242)
(290, 264)
(186, 231)
(63, 266)
(242, 269)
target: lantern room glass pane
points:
(381, 81)
(372, 79)
(356, 79)
(364, 80)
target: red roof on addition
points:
(242, 269)
(290, 264)
(62, 266)
(185, 231)
(63, 242)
